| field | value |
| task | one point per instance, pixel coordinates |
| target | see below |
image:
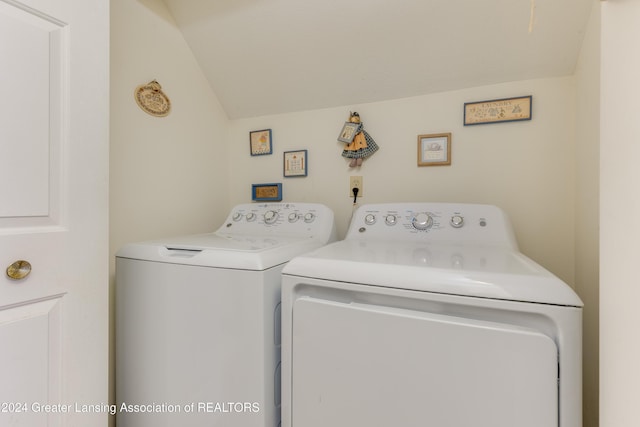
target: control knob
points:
(270, 217)
(457, 221)
(293, 217)
(422, 221)
(251, 216)
(237, 216)
(370, 219)
(390, 220)
(309, 217)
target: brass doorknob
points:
(19, 270)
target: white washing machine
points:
(428, 315)
(197, 319)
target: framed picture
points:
(348, 132)
(266, 192)
(261, 143)
(434, 149)
(497, 110)
(295, 163)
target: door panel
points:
(30, 360)
(356, 364)
(31, 87)
(54, 210)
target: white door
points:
(54, 212)
(370, 365)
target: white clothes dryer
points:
(198, 319)
(427, 314)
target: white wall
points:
(619, 212)
(168, 175)
(527, 168)
(587, 206)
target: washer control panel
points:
(287, 219)
(439, 222)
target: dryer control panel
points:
(283, 219)
(437, 222)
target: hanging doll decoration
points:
(360, 145)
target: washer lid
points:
(221, 250)
(467, 270)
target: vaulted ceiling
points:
(276, 56)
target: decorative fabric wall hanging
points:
(360, 144)
(152, 100)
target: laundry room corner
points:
(587, 242)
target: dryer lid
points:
(466, 270)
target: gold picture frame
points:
(434, 149)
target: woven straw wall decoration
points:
(152, 100)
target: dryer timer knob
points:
(422, 221)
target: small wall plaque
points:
(266, 192)
(152, 100)
(497, 110)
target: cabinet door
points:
(368, 365)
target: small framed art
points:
(266, 192)
(434, 149)
(295, 163)
(261, 143)
(497, 111)
(348, 132)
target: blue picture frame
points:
(266, 192)
(260, 142)
(294, 164)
